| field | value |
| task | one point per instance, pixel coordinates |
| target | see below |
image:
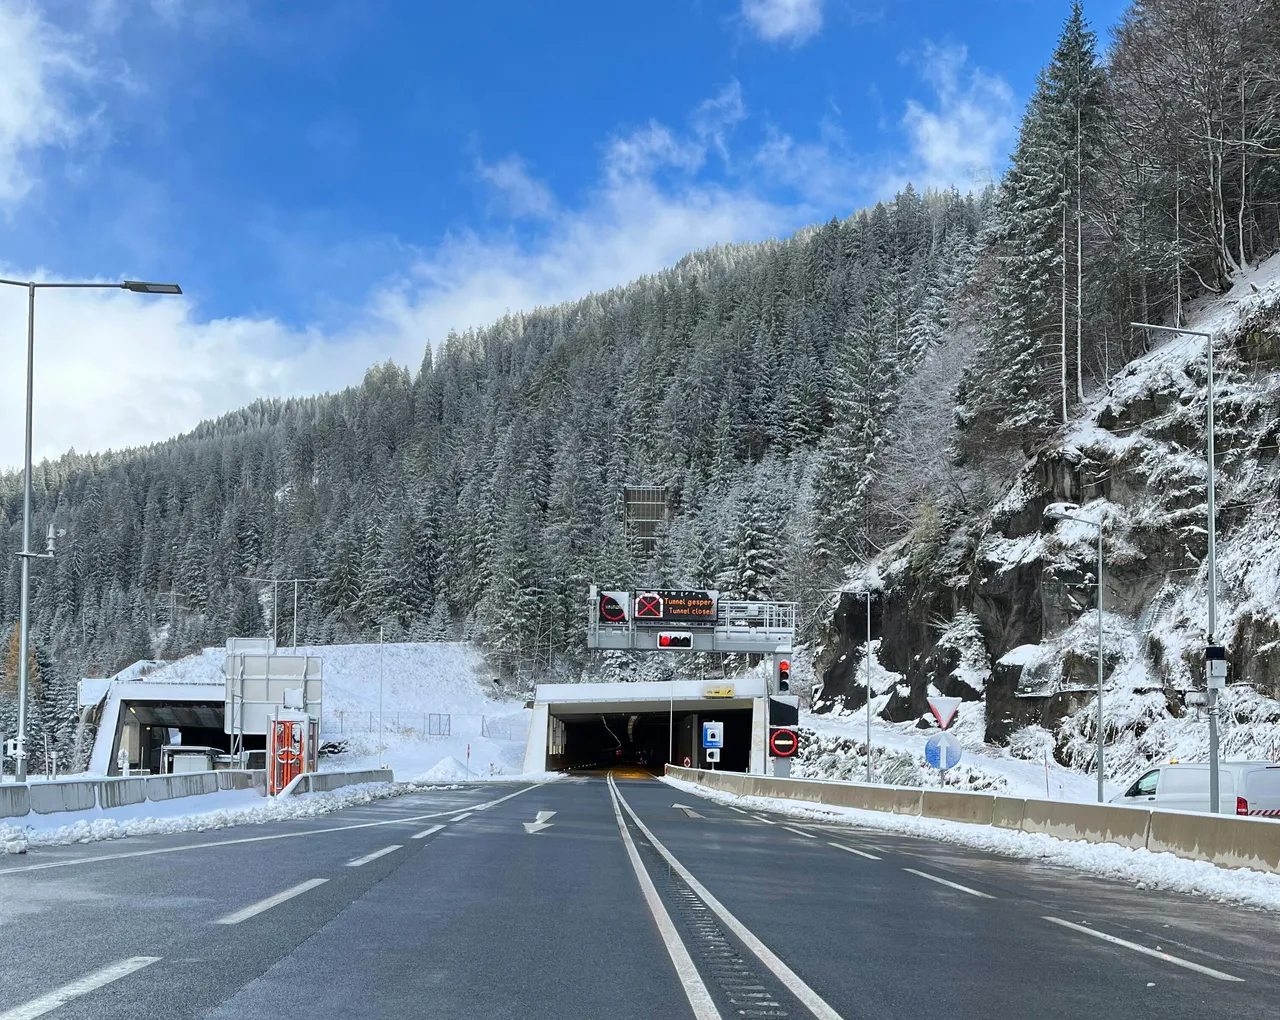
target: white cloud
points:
(790, 21)
(518, 192)
(822, 172)
(964, 138)
(35, 66)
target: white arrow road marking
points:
(540, 824)
(689, 812)
(271, 901)
(361, 861)
(1177, 961)
(83, 986)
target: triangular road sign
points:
(944, 710)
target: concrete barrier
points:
(118, 792)
(323, 782)
(1096, 823)
(186, 784)
(15, 800)
(900, 800)
(242, 779)
(51, 798)
(956, 806)
(1226, 840)
(1007, 812)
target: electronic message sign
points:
(665, 606)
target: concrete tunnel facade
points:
(646, 723)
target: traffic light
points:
(782, 675)
(675, 639)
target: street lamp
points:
(1063, 515)
(138, 287)
(1212, 682)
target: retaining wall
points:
(1228, 841)
(185, 784)
(14, 800)
(52, 797)
(46, 798)
(118, 792)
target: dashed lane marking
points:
(800, 832)
(427, 832)
(461, 817)
(360, 862)
(761, 818)
(1177, 961)
(253, 839)
(74, 990)
(853, 850)
(950, 885)
(271, 901)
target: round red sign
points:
(783, 743)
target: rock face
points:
(1135, 463)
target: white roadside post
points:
(1214, 683)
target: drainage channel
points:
(723, 967)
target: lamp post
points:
(1211, 690)
(26, 555)
(1064, 516)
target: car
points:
(1244, 788)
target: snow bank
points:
(1143, 868)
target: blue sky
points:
(338, 182)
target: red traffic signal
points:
(678, 639)
(784, 670)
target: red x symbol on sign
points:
(648, 604)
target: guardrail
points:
(1228, 841)
(322, 782)
(46, 798)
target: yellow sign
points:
(717, 690)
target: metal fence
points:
(425, 724)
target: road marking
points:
(464, 815)
(950, 885)
(694, 989)
(426, 832)
(1175, 960)
(360, 862)
(82, 986)
(737, 809)
(541, 822)
(688, 811)
(252, 839)
(811, 999)
(800, 832)
(767, 821)
(852, 850)
(271, 901)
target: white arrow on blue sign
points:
(942, 751)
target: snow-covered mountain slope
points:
(1001, 608)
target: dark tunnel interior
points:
(651, 739)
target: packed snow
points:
(1144, 868)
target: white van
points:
(1244, 788)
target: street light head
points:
(1062, 511)
(142, 287)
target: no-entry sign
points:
(783, 743)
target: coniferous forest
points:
(806, 402)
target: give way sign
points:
(944, 710)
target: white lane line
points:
(811, 999)
(426, 832)
(360, 862)
(252, 839)
(950, 885)
(737, 809)
(465, 814)
(1175, 960)
(82, 986)
(800, 832)
(852, 850)
(271, 901)
(767, 821)
(694, 989)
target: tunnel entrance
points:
(648, 739)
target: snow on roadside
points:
(1144, 868)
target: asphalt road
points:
(444, 904)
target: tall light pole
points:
(870, 774)
(1211, 694)
(1064, 516)
(31, 286)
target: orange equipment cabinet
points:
(293, 746)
